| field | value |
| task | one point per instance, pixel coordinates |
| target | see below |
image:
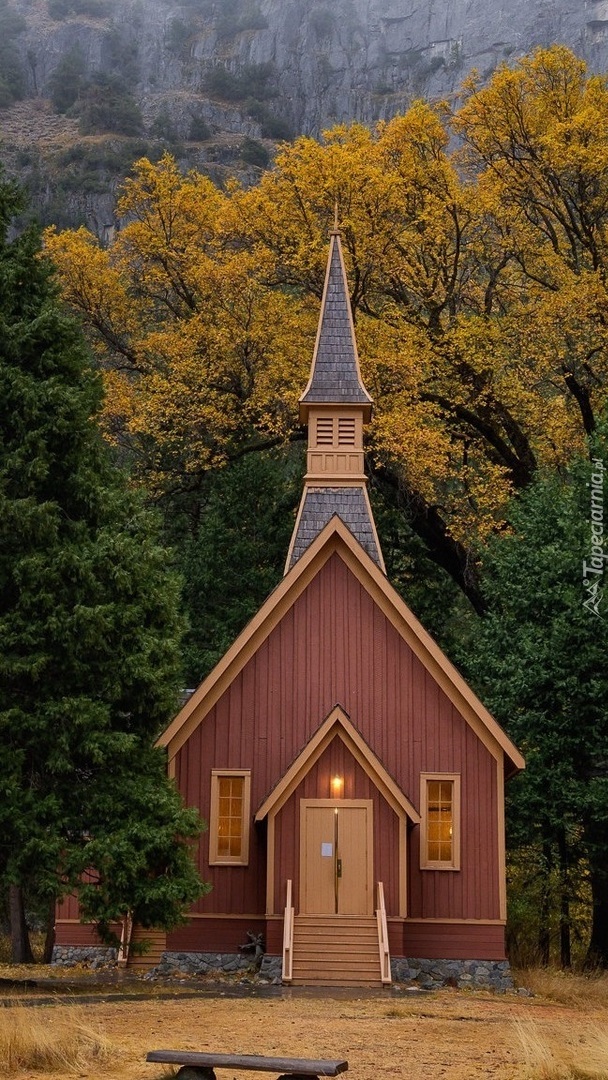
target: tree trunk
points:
(564, 904)
(597, 954)
(49, 941)
(20, 939)
(564, 931)
(544, 928)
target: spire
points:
(335, 405)
(335, 377)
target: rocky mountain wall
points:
(209, 77)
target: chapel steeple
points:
(335, 405)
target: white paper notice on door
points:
(327, 851)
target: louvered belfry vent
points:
(335, 405)
(346, 431)
(325, 430)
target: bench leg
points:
(193, 1072)
(297, 1076)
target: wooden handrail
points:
(385, 956)
(288, 936)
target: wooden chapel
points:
(352, 782)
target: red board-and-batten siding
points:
(336, 646)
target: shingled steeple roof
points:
(335, 405)
(335, 377)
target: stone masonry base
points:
(426, 974)
(93, 956)
(465, 974)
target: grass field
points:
(560, 1033)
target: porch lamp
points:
(337, 786)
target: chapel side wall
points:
(335, 646)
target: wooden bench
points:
(200, 1066)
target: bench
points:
(200, 1066)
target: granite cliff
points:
(86, 86)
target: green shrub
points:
(12, 76)
(122, 57)
(163, 127)
(254, 153)
(219, 82)
(199, 129)
(87, 168)
(252, 81)
(11, 22)
(178, 36)
(107, 105)
(273, 127)
(67, 80)
(256, 80)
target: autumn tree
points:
(481, 325)
(537, 139)
(90, 629)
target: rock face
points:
(204, 75)
(324, 62)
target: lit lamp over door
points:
(337, 787)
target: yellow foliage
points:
(477, 277)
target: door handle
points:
(339, 868)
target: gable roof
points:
(337, 724)
(337, 538)
(335, 377)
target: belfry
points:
(335, 405)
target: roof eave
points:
(365, 408)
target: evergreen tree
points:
(233, 542)
(540, 663)
(68, 79)
(89, 625)
(12, 78)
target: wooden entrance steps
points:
(335, 950)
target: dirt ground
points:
(452, 1033)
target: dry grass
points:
(66, 1045)
(580, 991)
(587, 1059)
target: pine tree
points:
(540, 664)
(234, 537)
(89, 625)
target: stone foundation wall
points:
(427, 974)
(197, 963)
(93, 956)
(431, 974)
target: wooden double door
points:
(336, 857)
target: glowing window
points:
(440, 829)
(229, 817)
